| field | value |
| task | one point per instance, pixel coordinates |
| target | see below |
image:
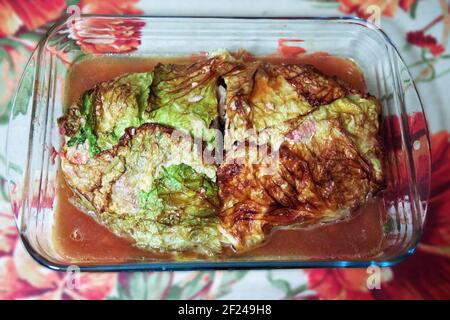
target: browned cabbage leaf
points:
(300, 148)
(184, 96)
(320, 151)
(103, 113)
(262, 95)
(152, 187)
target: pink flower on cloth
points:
(124, 36)
(110, 7)
(23, 278)
(422, 40)
(29, 15)
(361, 8)
(8, 234)
(424, 275)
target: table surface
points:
(419, 29)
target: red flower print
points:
(120, 36)
(110, 7)
(8, 233)
(30, 15)
(342, 284)
(22, 278)
(361, 7)
(287, 50)
(406, 4)
(420, 39)
(424, 275)
(437, 50)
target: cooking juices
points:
(79, 238)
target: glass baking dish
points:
(33, 136)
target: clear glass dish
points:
(33, 132)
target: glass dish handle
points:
(419, 139)
(18, 141)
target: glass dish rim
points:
(205, 264)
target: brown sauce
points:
(356, 238)
(78, 238)
(344, 69)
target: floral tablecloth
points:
(420, 29)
